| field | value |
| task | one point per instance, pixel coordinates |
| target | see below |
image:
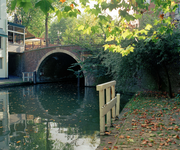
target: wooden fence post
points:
(108, 116)
(118, 105)
(102, 117)
(113, 96)
(112, 104)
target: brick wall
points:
(30, 59)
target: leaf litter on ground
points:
(151, 123)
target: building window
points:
(0, 42)
(15, 35)
(18, 38)
(1, 63)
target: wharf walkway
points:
(12, 81)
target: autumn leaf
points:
(115, 147)
(152, 135)
(144, 142)
(171, 119)
(127, 137)
(177, 137)
(166, 144)
(161, 16)
(121, 136)
(62, 1)
(130, 140)
(151, 140)
(161, 144)
(108, 133)
(143, 125)
(105, 148)
(72, 6)
(150, 144)
(133, 120)
(153, 129)
(170, 128)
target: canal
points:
(50, 117)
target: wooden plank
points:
(105, 85)
(113, 96)
(108, 116)
(118, 105)
(108, 106)
(102, 117)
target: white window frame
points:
(1, 42)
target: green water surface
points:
(49, 117)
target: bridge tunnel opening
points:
(55, 69)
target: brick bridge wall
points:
(31, 59)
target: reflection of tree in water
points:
(35, 138)
(81, 122)
(62, 146)
(74, 136)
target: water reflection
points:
(49, 116)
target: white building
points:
(3, 40)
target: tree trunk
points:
(46, 29)
(169, 82)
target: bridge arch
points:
(50, 53)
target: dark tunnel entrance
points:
(55, 69)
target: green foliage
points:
(45, 6)
(21, 3)
(148, 57)
(91, 43)
(122, 29)
(58, 28)
(33, 20)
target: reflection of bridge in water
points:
(68, 111)
(34, 109)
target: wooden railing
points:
(28, 75)
(109, 105)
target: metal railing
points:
(28, 76)
(112, 105)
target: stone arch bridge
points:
(51, 63)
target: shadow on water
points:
(50, 116)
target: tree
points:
(91, 44)
(118, 32)
(58, 28)
(156, 60)
(33, 20)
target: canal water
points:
(49, 117)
